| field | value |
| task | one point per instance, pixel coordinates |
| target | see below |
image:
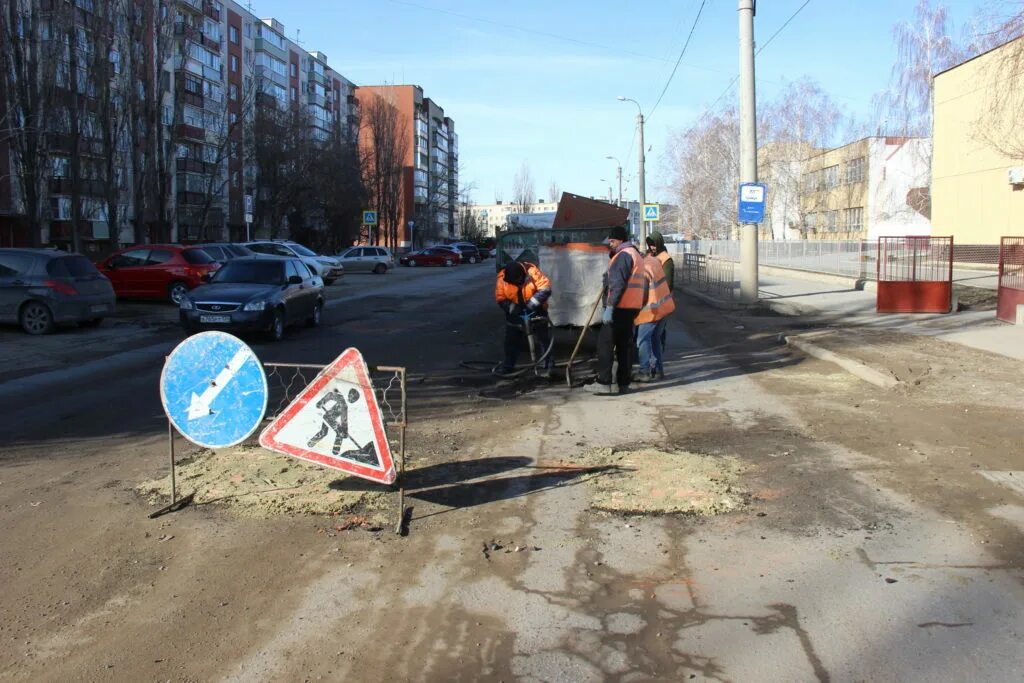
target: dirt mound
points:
(254, 482)
(657, 482)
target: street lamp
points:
(609, 189)
(643, 196)
(618, 170)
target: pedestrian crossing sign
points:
(369, 218)
(336, 422)
(652, 212)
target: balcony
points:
(194, 5)
(212, 9)
(194, 166)
(190, 132)
(318, 100)
(271, 75)
(88, 187)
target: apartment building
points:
(430, 173)
(494, 217)
(219, 64)
(869, 188)
(978, 167)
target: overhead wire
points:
(682, 52)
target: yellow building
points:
(978, 166)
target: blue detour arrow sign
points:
(214, 390)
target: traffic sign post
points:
(214, 392)
(248, 217)
(652, 212)
(369, 218)
(752, 198)
(336, 422)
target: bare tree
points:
(704, 165)
(554, 192)
(523, 193)
(924, 48)
(388, 135)
(999, 125)
(471, 229)
(340, 191)
(29, 59)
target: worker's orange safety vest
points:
(536, 281)
(658, 300)
(633, 297)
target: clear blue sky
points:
(536, 81)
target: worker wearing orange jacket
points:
(651, 320)
(522, 291)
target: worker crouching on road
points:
(624, 286)
(522, 292)
(653, 318)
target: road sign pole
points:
(170, 450)
(748, 148)
(643, 181)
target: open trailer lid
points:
(576, 211)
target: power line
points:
(681, 53)
(617, 50)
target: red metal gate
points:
(915, 274)
(1011, 278)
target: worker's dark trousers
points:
(615, 343)
(515, 341)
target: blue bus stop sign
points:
(751, 202)
(214, 390)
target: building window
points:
(810, 222)
(234, 64)
(831, 176)
(60, 167)
(234, 92)
(233, 34)
(233, 118)
(812, 181)
(855, 170)
(831, 221)
(248, 29)
(295, 94)
(854, 219)
(294, 69)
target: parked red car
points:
(157, 271)
(430, 257)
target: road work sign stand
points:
(336, 421)
(214, 392)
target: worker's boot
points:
(599, 389)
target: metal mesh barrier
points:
(713, 276)
(915, 274)
(1011, 278)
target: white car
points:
(367, 259)
(327, 267)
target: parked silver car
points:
(367, 260)
(43, 288)
(326, 267)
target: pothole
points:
(656, 482)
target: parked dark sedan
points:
(255, 295)
(43, 288)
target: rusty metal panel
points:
(576, 211)
(1011, 278)
(915, 274)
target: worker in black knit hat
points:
(624, 286)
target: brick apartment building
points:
(224, 64)
(430, 174)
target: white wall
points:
(893, 171)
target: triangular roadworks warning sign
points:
(336, 422)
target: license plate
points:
(99, 308)
(215, 318)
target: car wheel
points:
(314, 320)
(472, 259)
(277, 326)
(447, 263)
(412, 263)
(380, 269)
(330, 282)
(94, 322)
(176, 292)
(36, 318)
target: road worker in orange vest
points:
(658, 305)
(522, 291)
(624, 286)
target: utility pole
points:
(643, 196)
(748, 148)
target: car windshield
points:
(238, 250)
(301, 250)
(251, 272)
(197, 257)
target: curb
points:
(854, 367)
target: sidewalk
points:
(847, 306)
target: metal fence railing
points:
(713, 276)
(850, 258)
